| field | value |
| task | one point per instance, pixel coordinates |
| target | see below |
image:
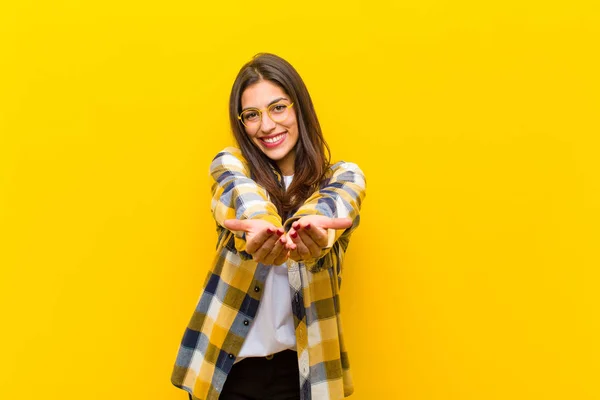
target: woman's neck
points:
(286, 164)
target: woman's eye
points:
(251, 116)
(279, 108)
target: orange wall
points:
(474, 275)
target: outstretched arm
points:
(235, 196)
(327, 217)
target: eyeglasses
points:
(252, 117)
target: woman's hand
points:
(264, 241)
(308, 235)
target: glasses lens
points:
(250, 117)
(279, 111)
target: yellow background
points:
(474, 275)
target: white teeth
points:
(274, 139)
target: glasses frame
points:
(267, 109)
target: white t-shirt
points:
(273, 329)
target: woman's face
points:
(275, 139)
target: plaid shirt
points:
(233, 287)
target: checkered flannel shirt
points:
(234, 285)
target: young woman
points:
(267, 325)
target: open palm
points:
(309, 235)
(264, 241)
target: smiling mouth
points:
(273, 140)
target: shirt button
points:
(246, 322)
(231, 355)
(256, 289)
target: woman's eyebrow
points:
(272, 102)
(276, 100)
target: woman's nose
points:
(266, 123)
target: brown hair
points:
(311, 163)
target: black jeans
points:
(257, 378)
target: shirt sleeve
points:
(236, 196)
(341, 197)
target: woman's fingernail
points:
(282, 240)
(280, 232)
(270, 231)
(294, 235)
(307, 226)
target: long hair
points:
(312, 152)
